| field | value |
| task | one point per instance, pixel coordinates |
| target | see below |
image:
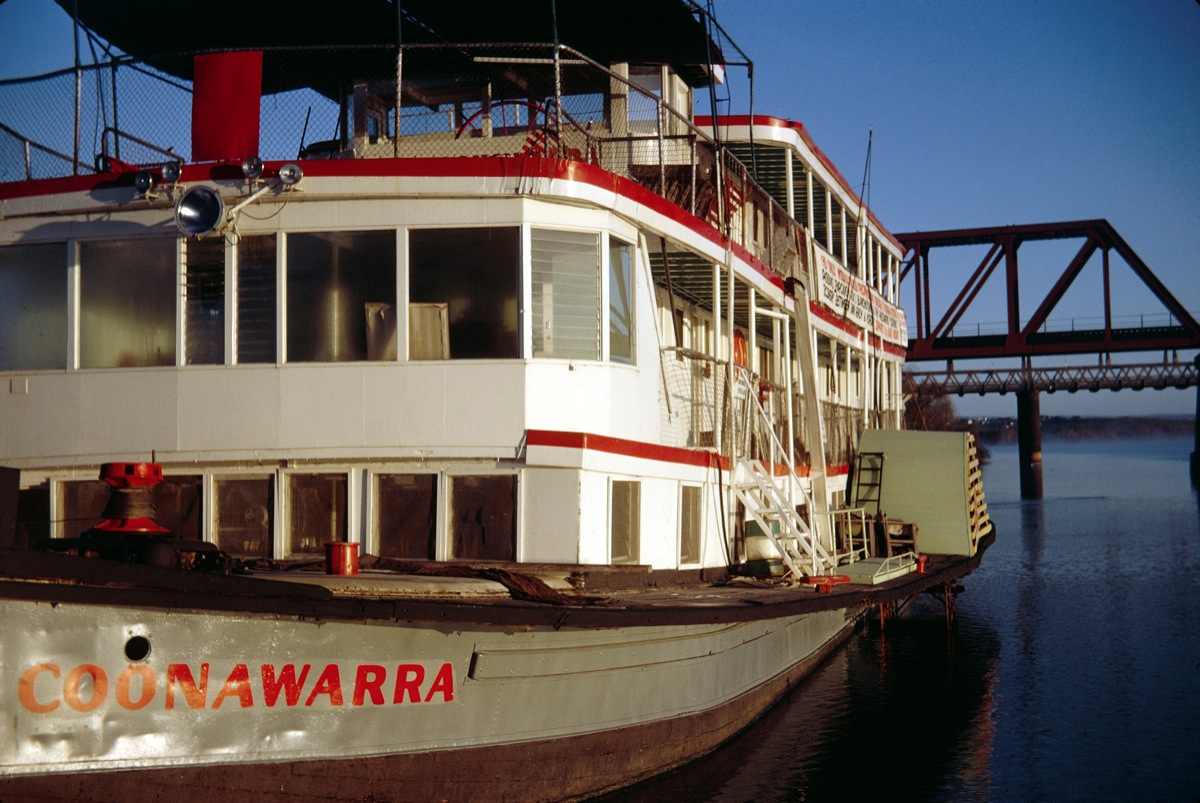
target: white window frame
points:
(699, 524)
(370, 503)
(445, 536)
(637, 559)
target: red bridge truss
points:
(939, 342)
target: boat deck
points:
(485, 595)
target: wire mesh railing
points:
(457, 100)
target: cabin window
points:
(566, 294)
(316, 511)
(33, 307)
(622, 318)
(406, 515)
(256, 299)
(127, 303)
(204, 300)
(341, 296)
(80, 503)
(483, 515)
(245, 517)
(689, 524)
(625, 521)
(463, 291)
(178, 503)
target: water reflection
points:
(1070, 673)
(911, 708)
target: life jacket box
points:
(933, 480)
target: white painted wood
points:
(231, 300)
(73, 284)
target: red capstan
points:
(129, 508)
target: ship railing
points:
(531, 99)
(851, 528)
(693, 397)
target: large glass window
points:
(406, 515)
(625, 521)
(177, 506)
(245, 515)
(464, 286)
(483, 513)
(622, 320)
(256, 299)
(33, 307)
(341, 290)
(566, 294)
(127, 303)
(204, 305)
(316, 511)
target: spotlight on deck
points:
(200, 211)
(171, 172)
(143, 182)
(290, 174)
(252, 167)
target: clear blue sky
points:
(984, 113)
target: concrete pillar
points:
(1029, 442)
(1196, 441)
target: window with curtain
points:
(566, 294)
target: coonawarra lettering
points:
(44, 687)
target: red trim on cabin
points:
(611, 445)
(646, 451)
(833, 319)
(802, 130)
(419, 167)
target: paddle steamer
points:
(561, 361)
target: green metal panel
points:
(925, 480)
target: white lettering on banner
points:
(851, 298)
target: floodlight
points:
(199, 211)
(290, 174)
(144, 182)
(171, 172)
(252, 167)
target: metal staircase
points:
(773, 508)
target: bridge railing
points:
(1089, 323)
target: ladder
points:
(868, 481)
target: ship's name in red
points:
(44, 687)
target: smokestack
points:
(225, 105)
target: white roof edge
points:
(787, 136)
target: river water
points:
(1071, 673)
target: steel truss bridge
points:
(941, 338)
(1069, 378)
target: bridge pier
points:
(1196, 436)
(1029, 443)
